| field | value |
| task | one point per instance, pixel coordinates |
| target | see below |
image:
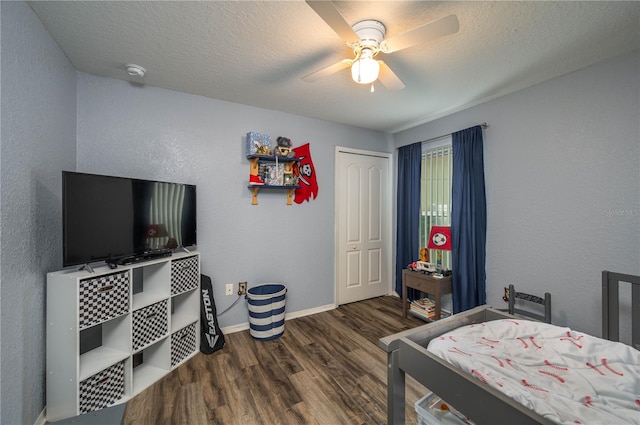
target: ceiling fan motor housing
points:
(371, 33)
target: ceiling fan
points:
(366, 39)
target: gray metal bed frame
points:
(610, 311)
(407, 354)
(511, 294)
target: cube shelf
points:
(112, 333)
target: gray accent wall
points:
(562, 172)
(151, 133)
(38, 141)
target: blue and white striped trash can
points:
(266, 311)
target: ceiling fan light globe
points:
(365, 71)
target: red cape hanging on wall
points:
(306, 173)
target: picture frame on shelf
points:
(258, 143)
(271, 173)
(290, 179)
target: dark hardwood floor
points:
(325, 369)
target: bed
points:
(408, 354)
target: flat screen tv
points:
(122, 220)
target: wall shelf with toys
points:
(272, 172)
(271, 169)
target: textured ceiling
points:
(256, 52)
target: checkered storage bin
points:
(184, 275)
(102, 389)
(150, 324)
(103, 298)
(183, 343)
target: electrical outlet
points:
(242, 288)
(229, 289)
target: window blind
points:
(435, 197)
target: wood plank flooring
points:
(326, 369)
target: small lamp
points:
(440, 239)
(154, 233)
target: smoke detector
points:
(135, 70)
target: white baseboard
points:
(309, 311)
(235, 328)
(288, 316)
(42, 419)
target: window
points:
(435, 193)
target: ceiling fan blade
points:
(328, 12)
(388, 78)
(427, 32)
(331, 69)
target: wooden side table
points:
(427, 284)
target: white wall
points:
(152, 133)
(562, 171)
(38, 140)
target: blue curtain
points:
(408, 232)
(468, 220)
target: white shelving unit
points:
(113, 332)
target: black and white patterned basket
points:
(150, 324)
(184, 275)
(102, 389)
(103, 298)
(183, 344)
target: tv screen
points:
(112, 218)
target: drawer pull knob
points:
(105, 288)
